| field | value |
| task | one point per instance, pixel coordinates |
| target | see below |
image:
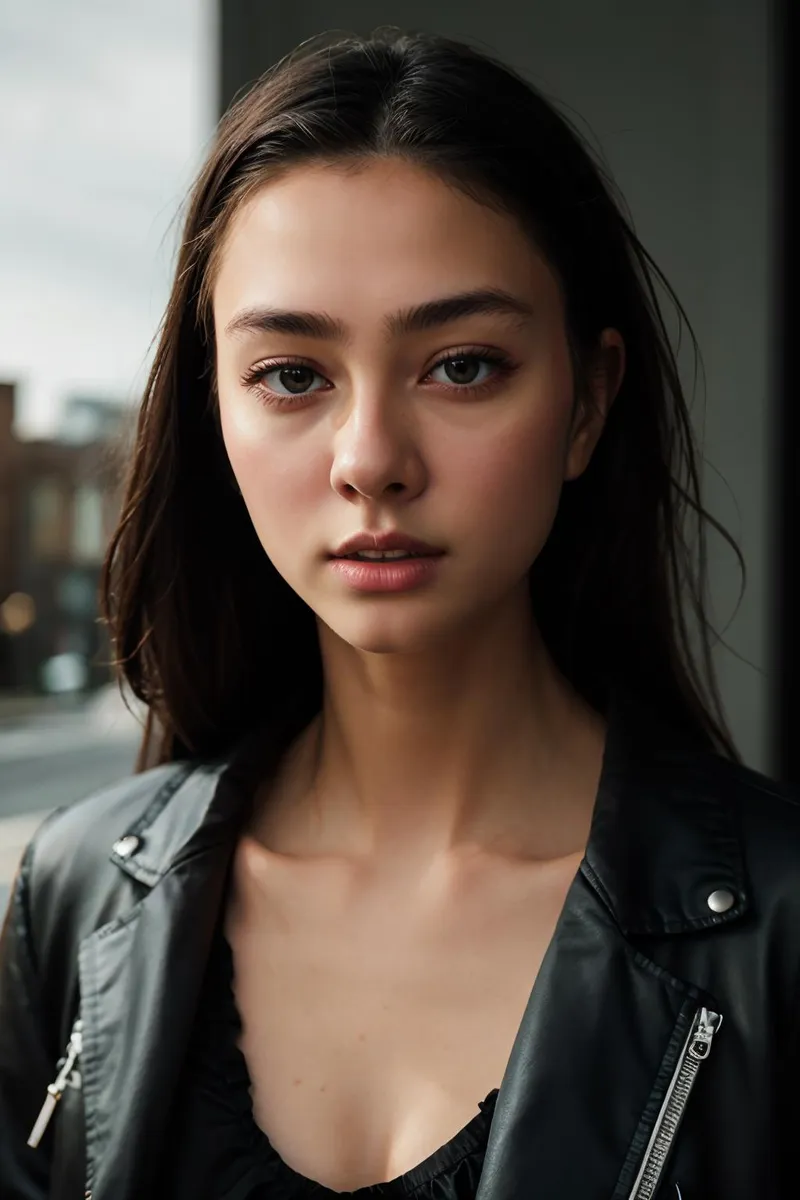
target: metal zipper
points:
(55, 1090)
(696, 1050)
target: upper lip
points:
(384, 541)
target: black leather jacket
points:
(622, 1082)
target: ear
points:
(601, 386)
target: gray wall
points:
(679, 98)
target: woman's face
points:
(456, 426)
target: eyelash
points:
(254, 378)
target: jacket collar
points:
(200, 806)
(664, 833)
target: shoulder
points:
(92, 860)
(91, 826)
(764, 804)
(91, 864)
(766, 821)
(67, 878)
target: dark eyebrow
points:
(420, 317)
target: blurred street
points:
(49, 759)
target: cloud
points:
(106, 112)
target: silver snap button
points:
(126, 846)
(721, 900)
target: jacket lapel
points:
(565, 1125)
(141, 975)
(663, 838)
(139, 980)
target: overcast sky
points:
(106, 108)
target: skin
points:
(405, 869)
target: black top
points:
(219, 1153)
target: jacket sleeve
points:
(26, 1059)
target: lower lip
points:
(387, 576)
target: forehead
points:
(385, 230)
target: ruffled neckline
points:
(225, 1081)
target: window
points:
(88, 537)
(46, 518)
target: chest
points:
(377, 1014)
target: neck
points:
(479, 743)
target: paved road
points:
(32, 785)
(44, 765)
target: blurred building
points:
(58, 503)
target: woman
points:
(434, 794)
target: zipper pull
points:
(55, 1090)
(707, 1025)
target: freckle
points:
(297, 1081)
(362, 1037)
(323, 1087)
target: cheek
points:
(279, 484)
(509, 484)
(517, 474)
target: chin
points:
(388, 633)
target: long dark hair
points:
(205, 630)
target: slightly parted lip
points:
(384, 541)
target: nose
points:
(376, 451)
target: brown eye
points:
(462, 370)
(281, 381)
(296, 379)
